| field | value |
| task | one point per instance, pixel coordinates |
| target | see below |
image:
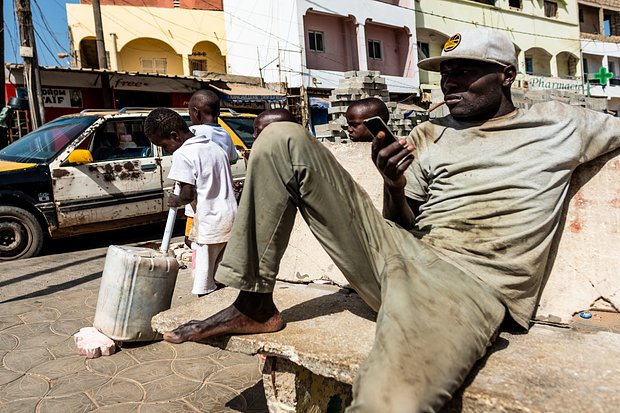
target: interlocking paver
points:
(75, 403)
(118, 390)
(21, 361)
(40, 370)
(21, 406)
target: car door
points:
(123, 182)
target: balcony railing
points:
(614, 81)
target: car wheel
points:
(21, 236)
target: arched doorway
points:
(537, 62)
(206, 57)
(567, 64)
(148, 55)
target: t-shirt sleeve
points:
(182, 169)
(417, 185)
(233, 155)
(600, 133)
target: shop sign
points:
(153, 84)
(555, 83)
(245, 105)
(61, 98)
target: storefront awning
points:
(240, 92)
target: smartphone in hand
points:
(376, 125)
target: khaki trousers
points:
(434, 321)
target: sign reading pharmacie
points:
(554, 83)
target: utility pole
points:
(101, 55)
(279, 71)
(3, 131)
(2, 79)
(28, 51)
(260, 69)
(304, 105)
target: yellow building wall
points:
(132, 33)
(528, 28)
(129, 58)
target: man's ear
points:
(174, 135)
(197, 113)
(510, 74)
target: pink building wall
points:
(340, 42)
(395, 48)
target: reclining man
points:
(466, 235)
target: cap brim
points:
(432, 63)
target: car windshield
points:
(44, 143)
(243, 126)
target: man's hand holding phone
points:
(391, 157)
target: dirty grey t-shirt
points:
(493, 192)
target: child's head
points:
(360, 110)
(204, 107)
(166, 128)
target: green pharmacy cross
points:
(603, 76)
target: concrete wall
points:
(394, 46)
(339, 37)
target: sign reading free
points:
(62, 98)
(556, 83)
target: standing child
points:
(202, 170)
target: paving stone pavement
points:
(41, 371)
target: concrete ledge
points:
(330, 331)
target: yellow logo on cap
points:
(452, 42)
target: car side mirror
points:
(80, 157)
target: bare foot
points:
(228, 321)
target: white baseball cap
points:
(485, 45)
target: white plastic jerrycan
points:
(137, 284)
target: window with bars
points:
(514, 3)
(315, 40)
(551, 8)
(198, 64)
(374, 49)
(156, 65)
(529, 65)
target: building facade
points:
(545, 35)
(599, 24)
(173, 37)
(312, 43)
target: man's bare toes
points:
(182, 333)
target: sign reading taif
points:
(62, 98)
